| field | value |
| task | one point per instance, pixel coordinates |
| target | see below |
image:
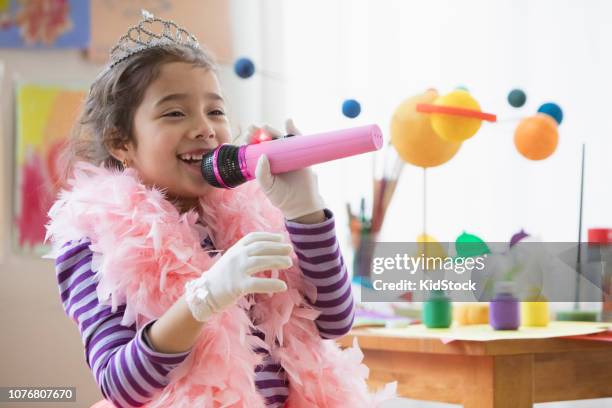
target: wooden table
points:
(500, 373)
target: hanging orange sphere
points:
(536, 137)
(413, 137)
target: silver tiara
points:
(150, 32)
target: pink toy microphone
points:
(229, 166)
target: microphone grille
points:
(226, 167)
(207, 169)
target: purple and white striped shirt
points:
(129, 372)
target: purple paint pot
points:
(504, 311)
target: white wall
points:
(381, 52)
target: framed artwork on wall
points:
(44, 24)
(45, 118)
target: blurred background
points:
(328, 65)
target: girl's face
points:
(181, 117)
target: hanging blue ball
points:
(351, 108)
(552, 109)
(244, 67)
(463, 88)
(517, 98)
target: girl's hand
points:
(295, 193)
(231, 277)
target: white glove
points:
(295, 193)
(231, 276)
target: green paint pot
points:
(437, 311)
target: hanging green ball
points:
(517, 98)
(469, 245)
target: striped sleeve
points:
(322, 263)
(128, 371)
(270, 378)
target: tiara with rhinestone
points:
(150, 32)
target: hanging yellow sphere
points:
(432, 251)
(413, 137)
(456, 128)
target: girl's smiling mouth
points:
(193, 156)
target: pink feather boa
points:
(143, 253)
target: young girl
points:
(186, 295)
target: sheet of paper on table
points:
(484, 332)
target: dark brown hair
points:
(107, 117)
